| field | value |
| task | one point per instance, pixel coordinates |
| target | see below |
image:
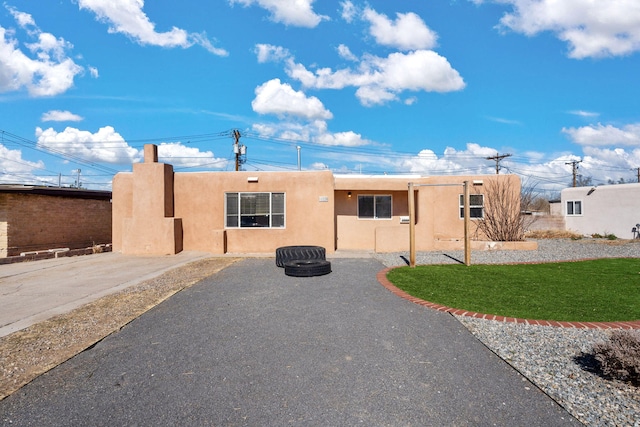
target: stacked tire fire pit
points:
(303, 261)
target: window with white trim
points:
(574, 207)
(374, 206)
(251, 210)
(476, 206)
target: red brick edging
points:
(382, 278)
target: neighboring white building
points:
(605, 209)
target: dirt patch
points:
(30, 352)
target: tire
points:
(307, 268)
(299, 253)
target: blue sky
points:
(423, 87)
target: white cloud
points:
(23, 19)
(318, 166)
(408, 32)
(604, 164)
(347, 10)
(315, 132)
(14, 168)
(452, 161)
(504, 121)
(126, 17)
(533, 168)
(605, 135)
(343, 139)
(267, 53)
(591, 28)
(582, 113)
(380, 80)
(179, 155)
(49, 72)
(411, 100)
(106, 145)
(61, 116)
(346, 53)
(94, 72)
(289, 12)
(274, 97)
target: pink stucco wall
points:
(158, 211)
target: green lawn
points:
(596, 291)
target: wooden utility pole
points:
(238, 149)
(638, 171)
(574, 165)
(498, 158)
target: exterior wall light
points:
(349, 194)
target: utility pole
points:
(78, 178)
(299, 164)
(574, 165)
(498, 158)
(638, 171)
(239, 149)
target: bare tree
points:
(584, 181)
(504, 219)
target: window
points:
(476, 206)
(574, 207)
(374, 207)
(247, 210)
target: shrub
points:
(553, 234)
(608, 236)
(619, 358)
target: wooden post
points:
(412, 227)
(467, 235)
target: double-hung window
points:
(476, 206)
(249, 210)
(574, 207)
(374, 207)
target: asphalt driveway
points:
(251, 346)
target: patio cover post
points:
(467, 236)
(412, 228)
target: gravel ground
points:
(553, 358)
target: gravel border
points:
(550, 357)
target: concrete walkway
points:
(31, 292)
(250, 346)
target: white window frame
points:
(471, 206)
(239, 215)
(573, 204)
(375, 213)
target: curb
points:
(382, 278)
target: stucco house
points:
(36, 218)
(604, 209)
(157, 211)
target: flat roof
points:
(78, 193)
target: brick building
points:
(36, 218)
